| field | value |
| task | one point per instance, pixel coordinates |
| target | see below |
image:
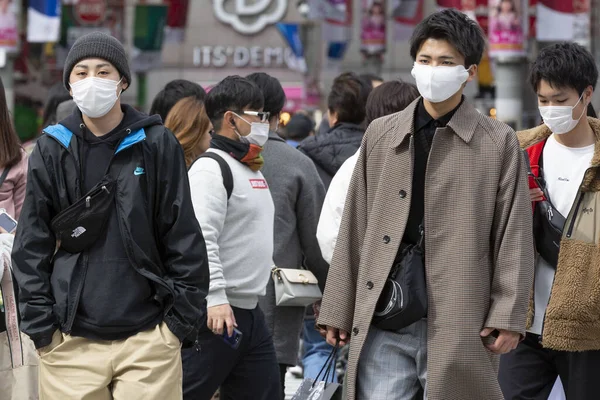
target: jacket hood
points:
(330, 150)
(540, 133)
(133, 120)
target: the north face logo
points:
(78, 232)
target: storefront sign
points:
(572, 16)
(90, 12)
(242, 57)
(250, 16)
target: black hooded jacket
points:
(150, 265)
(331, 149)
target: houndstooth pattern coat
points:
(478, 244)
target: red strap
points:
(535, 152)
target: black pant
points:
(529, 372)
(251, 372)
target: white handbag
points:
(295, 287)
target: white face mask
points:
(438, 84)
(559, 119)
(95, 97)
(259, 133)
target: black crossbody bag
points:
(548, 222)
(403, 300)
(80, 225)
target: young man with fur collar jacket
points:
(563, 334)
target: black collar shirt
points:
(425, 128)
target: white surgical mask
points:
(95, 97)
(259, 133)
(559, 119)
(438, 84)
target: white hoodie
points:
(333, 208)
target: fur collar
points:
(591, 182)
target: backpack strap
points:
(225, 170)
(4, 175)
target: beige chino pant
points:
(146, 366)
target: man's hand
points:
(218, 316)
(536, 194)
(505, 342)
(335, 334)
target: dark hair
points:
(590, 111)
(456, 28)
(271, 90)
(299, 127)
(564, 65)
(371, 78)
(390, 97)
(233, 93)
(172, 93)
(348, 98)
(56, 95)
(10, 146)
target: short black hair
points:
(172, 93)
(564, 65)
(371, 77)
(299, 127)
(390, 97)
(591, 112)
(348, 98)
(454, 27)
(272, 92)
(233, 93)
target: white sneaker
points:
(297, 371)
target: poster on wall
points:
(373, 27)
(506, 28)
(406, 14)
(572, 16)
(9, 34)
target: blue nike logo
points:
(139, 171)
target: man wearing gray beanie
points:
(110, 309)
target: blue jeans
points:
(316, 351)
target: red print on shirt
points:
(258, 184)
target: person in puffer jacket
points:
(346, 114)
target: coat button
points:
(402, 194)
(370, 285)
(386, 239)
(355, 331)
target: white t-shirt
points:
(563, 168)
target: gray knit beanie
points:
(97, 45)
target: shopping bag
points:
(317, 389)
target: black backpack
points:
(225, 170)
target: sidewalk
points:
(291, 385)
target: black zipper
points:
(574, 217)
(71, 319)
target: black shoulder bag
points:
(403, 300)
(78, 226)
(548, 223)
